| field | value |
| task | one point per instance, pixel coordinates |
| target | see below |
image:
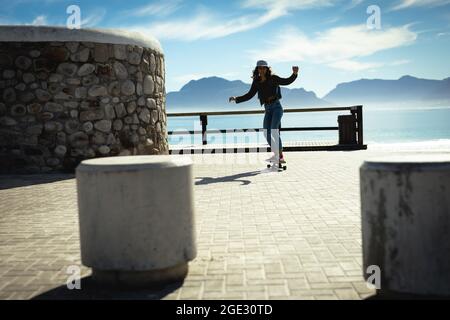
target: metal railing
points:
(355, 111)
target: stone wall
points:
(63, 102)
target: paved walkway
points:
(261, 234)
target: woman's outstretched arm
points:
(287, 81)
(250, 94)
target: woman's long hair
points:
(256, 76)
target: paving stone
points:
(260, 234)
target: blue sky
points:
(328, 39)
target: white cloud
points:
(205, 25)
(39, 21)
(403, 4)
(354, 4)
(336, 47)
(283, 6)
(208, 25)
(162, 8)
(93, 19)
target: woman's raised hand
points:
(295, 69)
(232, 99)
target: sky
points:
(332, 41)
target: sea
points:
(410, 128)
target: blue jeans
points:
(272, 120)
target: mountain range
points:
(407, 89)
(212, 93)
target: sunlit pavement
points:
(261, 234)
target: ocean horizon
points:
(427, 127)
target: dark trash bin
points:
(347, 129)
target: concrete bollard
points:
(405, 203)
(136, 217)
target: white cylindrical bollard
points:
(405, 203)
(136, 217)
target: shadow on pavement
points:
(90, 290)
(8, 181)
(233, 178)
(390, 295)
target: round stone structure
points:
(136, 218)
(70, 95)
(405, 203)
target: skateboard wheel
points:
(268, 166)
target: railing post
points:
(204, 122)
(359, 114)
(355, 124)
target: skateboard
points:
(280, 166)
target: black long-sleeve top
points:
(266, 89)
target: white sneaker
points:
(272, 159)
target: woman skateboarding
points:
(267, 85)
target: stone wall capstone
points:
(65, 101)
